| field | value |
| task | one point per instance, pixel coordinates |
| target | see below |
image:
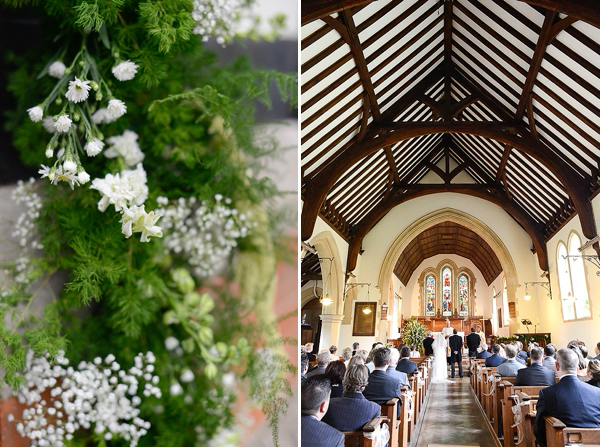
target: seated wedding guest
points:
(521, 353)
(575, 403)
(582, 364)
(355, 348)
(314, 404)
(502, 352)
(346, 355)
(585, 352)
(356, 360)
(510, 367)
(322, 361)
(484, 354)
(391, 371)
(382, 387)
(549, 358)
(333, 351)
(536, 374)
(414, 354)
(303, 365)
(427, 344)
(554, 347)
(335, 371)
(405, 365)
(352, 411)
(369, 363)
(594, 373)
(309, 350)
(495, 359)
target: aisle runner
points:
(453, 418)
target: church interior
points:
(450, 155)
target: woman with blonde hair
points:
(594, 373)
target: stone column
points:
(330, 330)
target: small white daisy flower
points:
(94, 147)
(49, 152)
(48, 124)
(36, 114)
(176, 389)
(136, 220)
(63, 123)
(125, 71)
(116, 108)
(102, 116)
(57, 69)
(78, 90)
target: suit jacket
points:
(521, 360)
(336, 391)
(550, 363)
(494, 360)
(535, 375)
(317, 370)
(398, 375)
(406, 366)
(509, 368)
(484, 355)
(427, 345)
(473, 341)
(572, 401)
(524, 355)
(594, 382)
(351, 412)
(382, 387)
(456, 344)
(315, 433)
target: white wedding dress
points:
(439, 370)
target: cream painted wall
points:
(342, 245)
(504, 331)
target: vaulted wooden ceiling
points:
(448, 238)
(310, 269)
(496, 99)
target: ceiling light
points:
(367, 310)
(326, 301)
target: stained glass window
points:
(430, 296)
(446, 292)
(463, 296)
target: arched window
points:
(430, 296)
(494, 312)
(463, 295)
(446, 292)
(506, 316)
(572, 281)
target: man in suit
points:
(314, 403)
(574, 402)
(549, 360)
(303, 365)
(391, 370)
(352, 410)
(382, 387)
(405, 365)
(322, 361)
(427, 344)
(456, 344)
(510, 367)
(494, 359)
(473, 342)
(355, 347)
(536, 374)
(484, 354)
(597, 351)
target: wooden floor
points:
(453, 418)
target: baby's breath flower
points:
(116, 108)
(171, 343)
(57, 69)
(126, 146)
(63, 123)
(102, 116)
(78, 90)
(48, 124)
(125, 71)
(36, 114)
(93, 147)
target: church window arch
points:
(430, 285)
(572, 280)
(463, 295)
(505, 314)
(447, 291)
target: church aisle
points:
(453, 417)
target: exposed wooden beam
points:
(503, 162)
(392, 163)
(339, 27)
(561, 25)
(448, 4)
(364, 118)
(463, 104)
(435, 106)
(361, 63)
(536, 62)
(586, 10)
(531, 118)
(317, 9)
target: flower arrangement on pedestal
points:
(146, 154)
(414, 333)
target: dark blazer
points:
(398, 375)
(351, 412)
(524, 355)
(456, 344)
(315, 433)
(382, 387)
(594, 382)
(572, 401)
(484, 355)
(473, 341)
(311, 357)
(535, 375)
(494, 360)
(427, 345)
(406, 366)
(336, 391)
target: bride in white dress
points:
(439, 370)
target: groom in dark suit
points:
(456, 344)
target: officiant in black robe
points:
(456, 344)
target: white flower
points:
(171, 343)
(57, 69)
(187, 376)
(63, 123)
(125, 71)
(49, 152)
(123, 189)
(136, 220)
(57, 175)
(10, 417)
(36, 114)
(83, 177)
(94, 147)
(176, 389)
(229, 380)
(78, 90)
(125, 145)
(45, 172)
(69, 166)
(116, 108)
(102, 116)
(48, 124)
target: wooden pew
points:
(414, 384)
(528, 423)
(389, 415)
(357, 438)
(508, 418)
(497, 407)
(403, 423)
(486, 389)
(559, 435)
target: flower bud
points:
(99, 95)
(81, 63)
(94, 85)
(76, 116)
(185, 283)
(68, 71)
(58, 101)
(210, 371)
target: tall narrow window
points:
(506, 315)
(446, 292)
(572, 281)
(564, 282)
(430, 296)
(463, 295)
(494, 312)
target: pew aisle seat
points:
(559, 435)
(357, 438)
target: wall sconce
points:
(545, 284)
(384, 312)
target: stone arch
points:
(466, 220)
(424, 274)
(332, 272)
